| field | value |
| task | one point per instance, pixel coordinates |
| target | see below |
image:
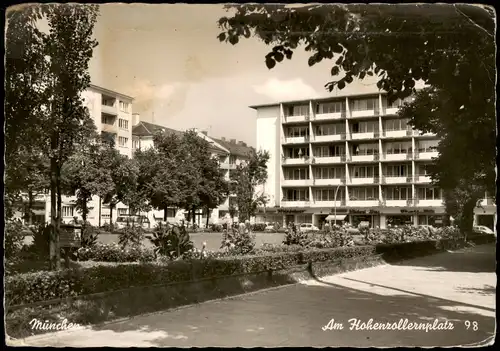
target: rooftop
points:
(110, 92)
(235, 148)
(149, 129)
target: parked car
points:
(139, 221)
(308, 227)
(481, 229)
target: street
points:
(456, 288)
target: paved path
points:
(454, 287)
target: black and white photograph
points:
(250, 175)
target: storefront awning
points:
(335, 217)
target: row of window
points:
(355, 172)
(340, 106)
(362, 194)
(68, 211)
(108, 101)
(340, 128)
(123, 123)
(122, 141)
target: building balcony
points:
(296, 140)
(293, 204)
(396, 133)
(329, 182)
(364, 136)
(364, 113)
(332, 137)
(397, 157)
(429, 203)
(363, 181)
(327, 160)
(297, 182)
(363, 203)
(391, 110)
(328, 203)
(422, 179)
(329, 116)
(295, 119)
(109, 128)
(426, 155)
(296, 161)
(110, 110)
(228, 166)
(428, 134)
(364, 158)
(396, 203)
(396, 180)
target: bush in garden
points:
(13, 239)
(115, 253)
(89, 235)
(131, 236)
(239, 241)
(216, 228)
(294, 236)
(171, 241)
(258, 227)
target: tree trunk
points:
(194, 216)
(111, 205)
(53, 216)
(30, 207)
(208, 216)
(467, 217)
(59, 216)
(165, 213)
(99, 211)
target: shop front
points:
(370, 217)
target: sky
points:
(168, 58)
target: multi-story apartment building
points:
(351, 158)
(112, 115)
(229, 152)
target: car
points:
(269, 228)
(481, 229)
(308, 227)
(136, 221)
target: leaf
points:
(362, 75)
(288, 54)
(335, 70)
(339, 60)
(270, 63)
(370, 73)
(233, 39)
(341, 84)
(312, 60)
(278, 56)
(337, 48)
(221, 37)
(348, 78)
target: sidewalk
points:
(456, 287)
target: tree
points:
(401, 45)
(50, 70)
(244, 182)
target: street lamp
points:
(335, 203)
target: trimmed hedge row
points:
(43, 286)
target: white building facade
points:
(351, 157)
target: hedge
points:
(42, 286)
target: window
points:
(137, 144)
(428, 146)
(398, 148)
(232, 160)
(365, 149)
(399, 102)
(368, 193)
(329, 151)
(330, 129)
(398, 170)
(364, 171)
(124, 106)
(122, 211)
(331, 107)
(364, 104)
(67, 211)
(364, 127)
(398, 193)
(397, 124)
(298, 110)
(296, 132)
(123, 123)
(106, 101)
(296, 194)
(329, 172)
(122, 141)
(297, 152)
(423, 170)
(429, 193)
(296, 173)
(106, 119)
(329, 194)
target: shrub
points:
(216, 228)
(294, 236)
(89, 235)
(238, 241)
(258, 227)
(14, 239)
(131, 236)
(115, 253)
(171, 241)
